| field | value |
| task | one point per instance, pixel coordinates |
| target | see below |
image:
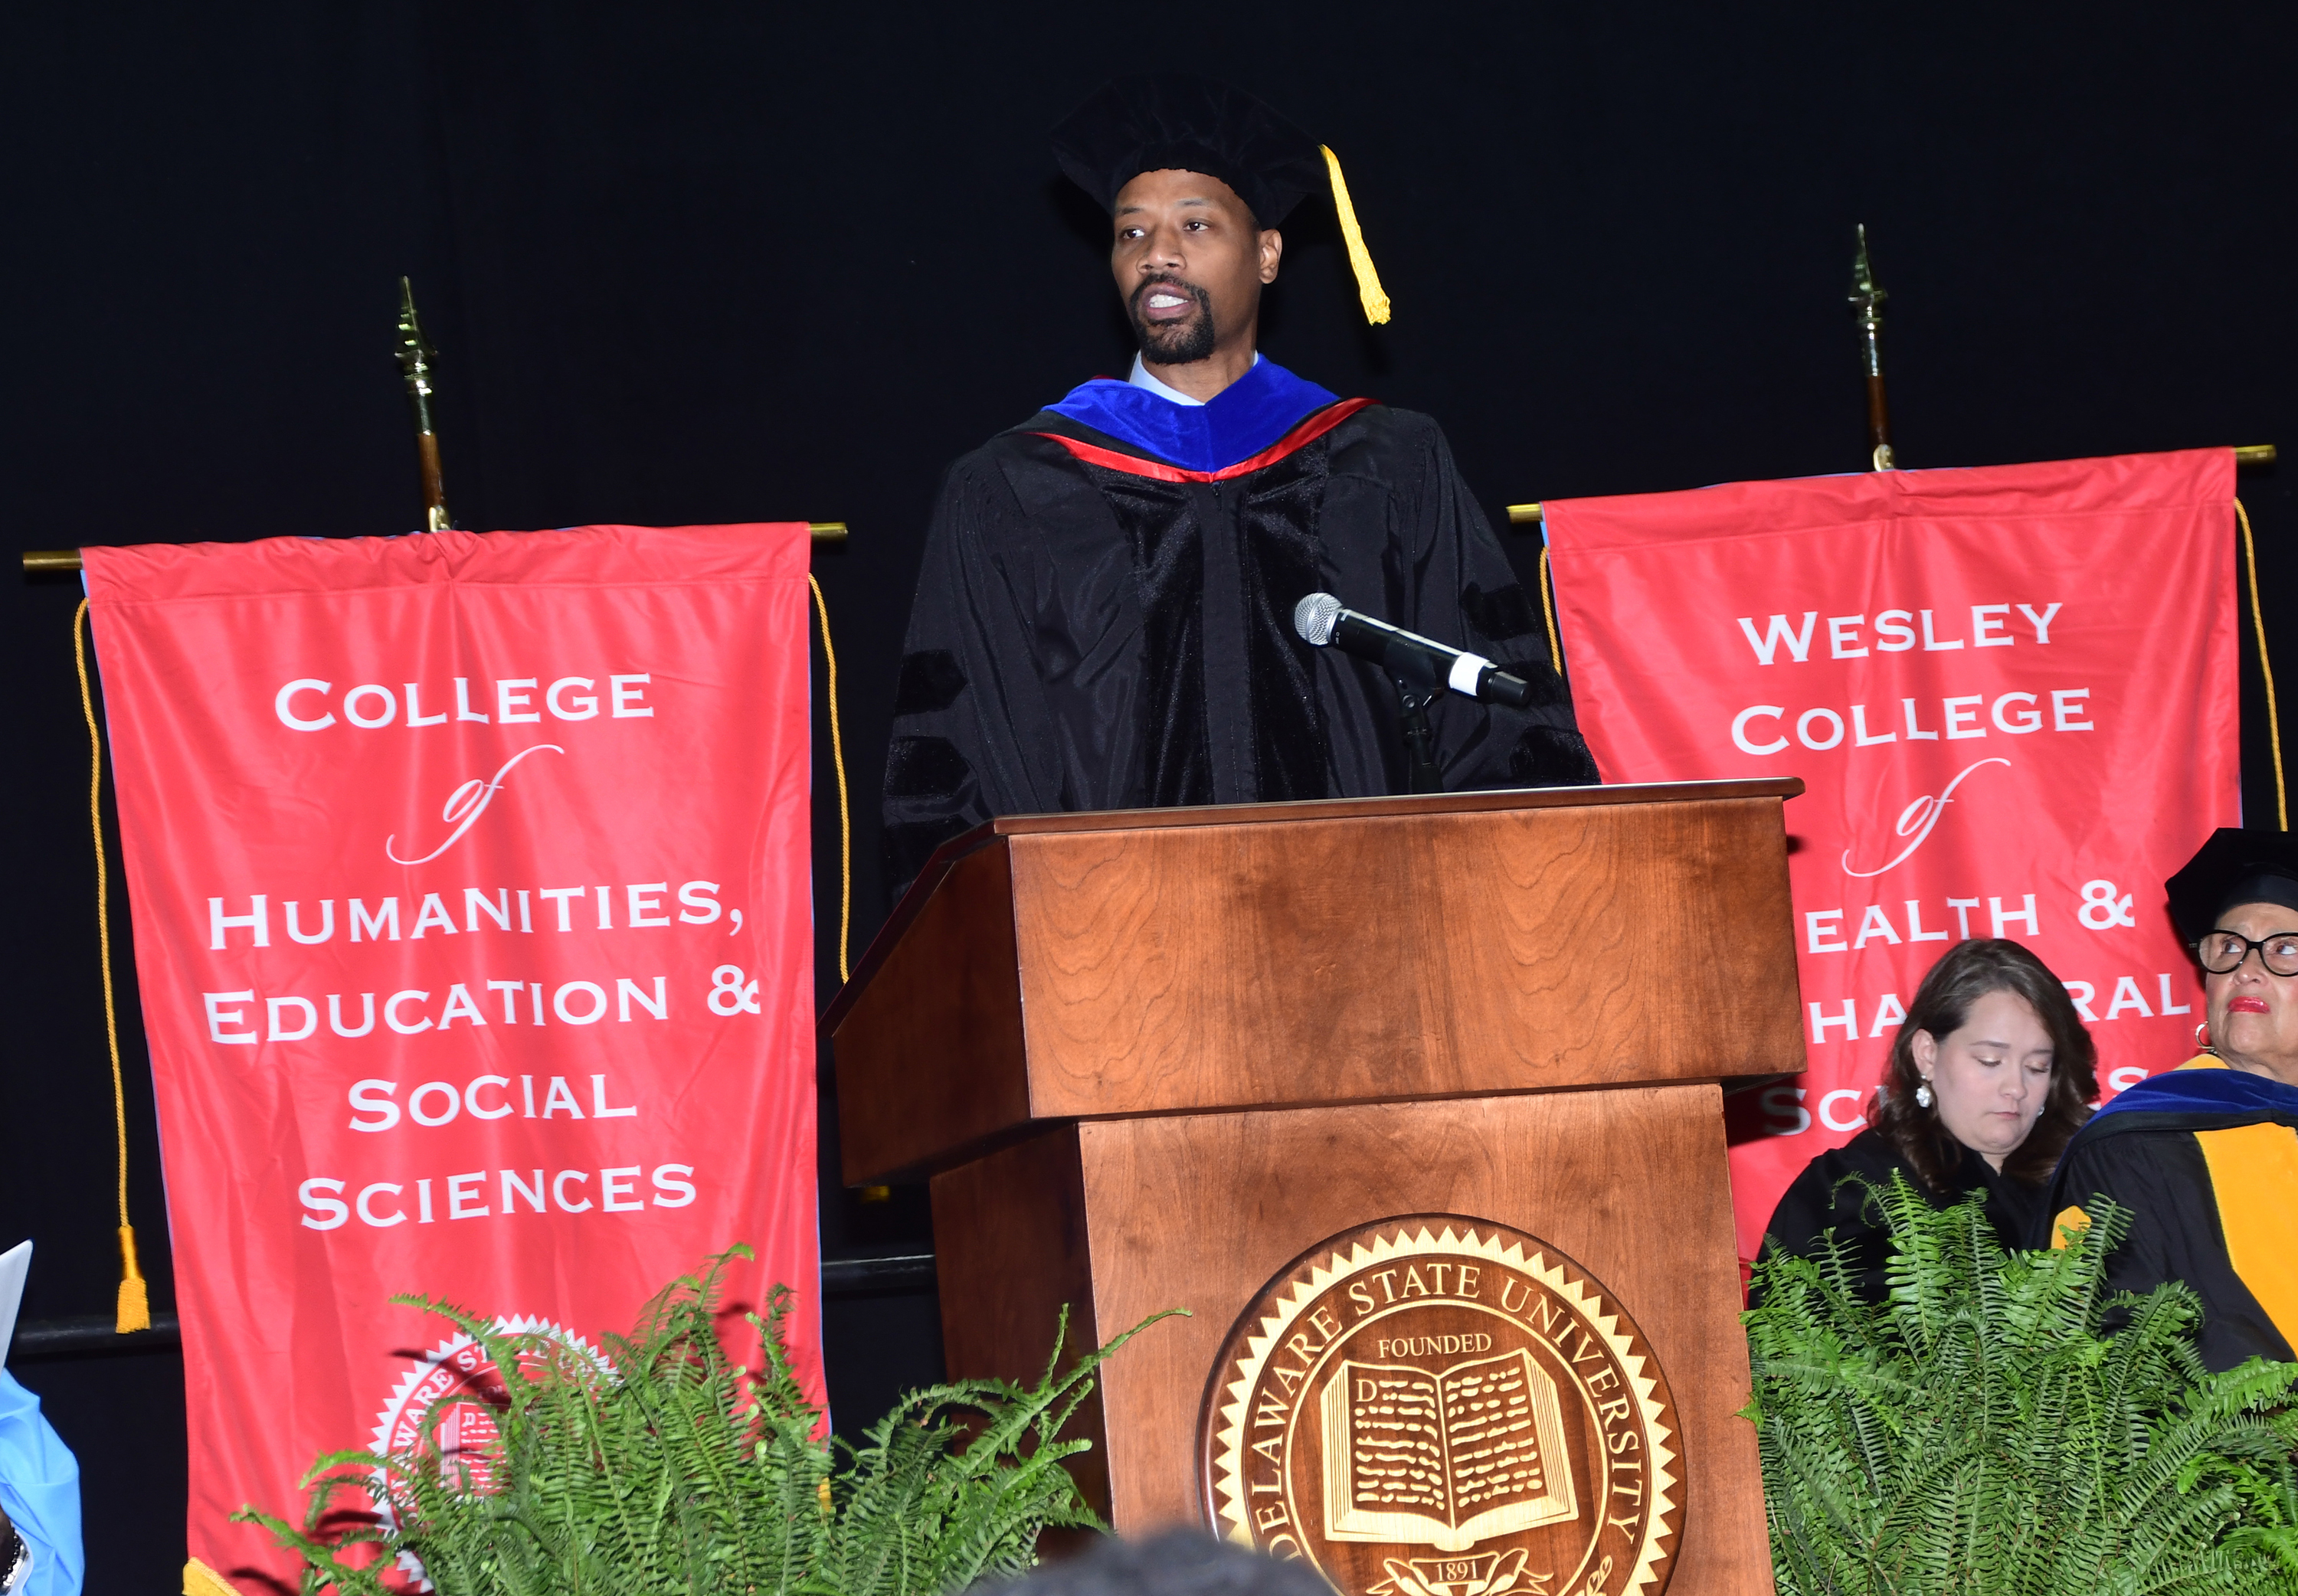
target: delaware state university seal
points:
(1442, 1406)
(462, 1438)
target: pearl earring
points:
(1923, 1094)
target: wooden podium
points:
(1156, 1059)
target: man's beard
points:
(1173, 342)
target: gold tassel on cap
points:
(1369, 289)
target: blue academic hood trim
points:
(2206, 1091)
(1238, 423)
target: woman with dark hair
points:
(1991, 1075)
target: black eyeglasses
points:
(2221, 953)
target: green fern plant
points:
(665, 1467)
(1981, 1435)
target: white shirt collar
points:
(1142, 379)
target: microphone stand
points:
(1421, 773)
(1405, 659)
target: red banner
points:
(470, 882)
(2011, 692)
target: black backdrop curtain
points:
(720, 261)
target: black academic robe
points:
(1829, 1195)
(2193, 1154)
(1097, 629)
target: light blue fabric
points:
(1235, 424)
(39, 1485)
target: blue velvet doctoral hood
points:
(1239, 422)
(2205, 1089)
(39, 1487)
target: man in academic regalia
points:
(1104, 618)
(2205, 1157)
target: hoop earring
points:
(1924, 1096)
(2202, 1037)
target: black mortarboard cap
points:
(2235, 866)
(1177, 121)
(1173, 120)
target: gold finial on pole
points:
(417, 360)
(1867, 298)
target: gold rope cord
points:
(134, 1309)
(845, 811)
(1548, 609)
(2273, 716)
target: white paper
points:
(16, 1263)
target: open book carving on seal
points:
(1443, 1459)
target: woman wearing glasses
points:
(1990, 1073)
(2205, 1157)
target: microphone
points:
(1320, 620)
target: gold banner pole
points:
(68, 560)
(416, 359)
(1867, 297)
(1528, 515)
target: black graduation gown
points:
(1097, 629)
(1826, 1197)
(2146, 1151)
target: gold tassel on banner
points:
(845, 809)
(1548, 609)
(870, 1194)
(1369, 289)
(134, 1311)
(200, 1580)
(2273, 715)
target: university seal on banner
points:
(1440, 1406)
(463, 1438)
